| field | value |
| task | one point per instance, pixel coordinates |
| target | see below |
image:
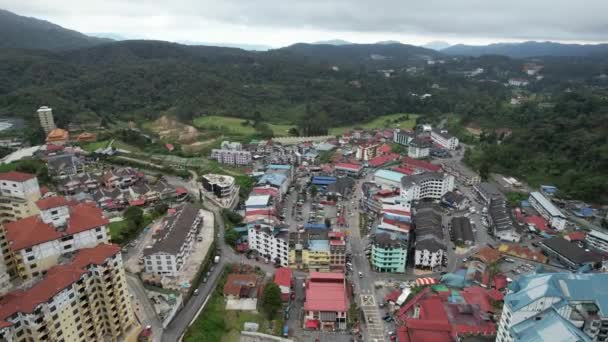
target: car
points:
(196, 291)
(360, 274)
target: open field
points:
(388, 121)
(234, 126)
(91, 147)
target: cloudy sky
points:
(283, 22)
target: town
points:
(374, 234)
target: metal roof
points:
(546, 204)
(390, 175)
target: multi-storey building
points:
(430, 246)
(5, 280)
(428, 185)
(487, 192)
(366, 151)
(85, 299)
(220, 185)
(311, 250)
(388, 179)
(337, 250)
(269, 241)
(174, 243)
(597, 240)
(547, 210)
(36, 243)
(45, 115)
(443, 139)
(63, 165)
(402, 137)
(501, 220)
(571, 305)
(389, 252)
(419, 148)
(18, 195)
(231, 153)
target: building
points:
(518, 82)
(63, 165)
(597, 240)
(37, 243)
(487, 192)
(173, 242)
(430, 246)
(57, 137)
(311, 250)
(535, 301)
(570, 254)
(45, 115)
(366, 151)
(348, 169)
(462, 232)
(419, 148)
(388, 179)
(18, 195)
(239, 286)
(402, 137)
(83, 299)
(5, 280)
(337, 250)
(455, 200)
(501, 221)
(231, 154)
(547, 210)
(419, 166)
(283, 277)
(443, 139)
(221, 186)
(326, 303)
(428, 185)
(389, 251)
(270, 242)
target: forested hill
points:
(30, 33)
(530, 49)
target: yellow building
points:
(309, 251)
(85, 299)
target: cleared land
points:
(397, 120)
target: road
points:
(143, 308)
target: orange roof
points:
(86, 136)
(57, 278)
(57, 134)
(51, 202)
(14, 176)
(236, 282)
(32, 231)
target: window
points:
(54, 212)
(33, 265)
(28, 250)
(67, 246)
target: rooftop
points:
(32, 231)
(408, 181)
(259, 200)
(393, 176)
(571, 251)
(326, 292)
(282, 276)
(14, 176)
(51, 202)
(546, 204)
(420, 164)
(547, 326)
(175, 231)
(240, 285)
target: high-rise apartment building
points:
(45, 115)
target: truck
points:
(216, 259)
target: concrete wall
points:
(248, 336)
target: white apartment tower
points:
(45, 114)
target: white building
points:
(36, 243)
(45, 115)
(18, 195)
(597, 240)
(419, 149)
(431, 185)
(402, 137)
(270, 242)
(231, 157)
(220, 185)
(518, 82)
(575, 304)
(443, 139)
(430, 246)
(173, 246)
(547, 210)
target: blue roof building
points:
(274, 179)
(323, 181)
(581, 300)
(315, 226)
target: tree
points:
(134, 215)
(230, 236)
(271, 300)
(293, 132)
(160, 209)
(484, 170)
(313, 191)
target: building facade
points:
(45, 115)
(86, 299)
(231, 154)
(174, 244)
(597, 240)
(419, 149)
(18, 195)
(443, 139)
(402, 137)
(389, 253)
(326, 303)
(270, 242)
(428, 185)
(220, 185)
(37, 243)
(548, 210)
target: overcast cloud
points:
(283, 22)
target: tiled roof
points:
(56, 279)
(282, 276)
(326, 292)
(51, 202)
(420, 164)
(32, 230)
(237, 282)
(14, 176)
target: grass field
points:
(117, 227)
(90, 147)
(217, 324)
(124, 146)
(233, 126)
(388, 121)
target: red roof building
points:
(381, 160)
(326, 301)
(14, 176)
(51, 202)
(575, 236)
(419, 165)
(283, 277)
(405, 170)
(384, 149)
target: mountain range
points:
(529, 49)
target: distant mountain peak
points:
(388, 42)
(436, 45)
(332, 42)
(529, 49)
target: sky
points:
(279, 23)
